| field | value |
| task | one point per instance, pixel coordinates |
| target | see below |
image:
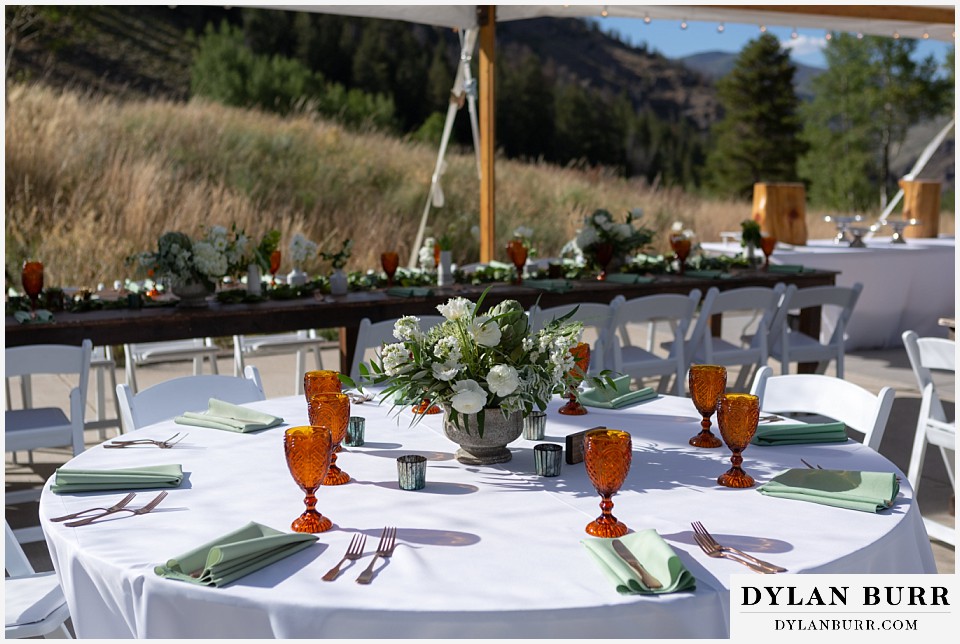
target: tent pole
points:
(487, 22)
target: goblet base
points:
(706, 438)
(606, 527)
(335, 476)
(311, 521)
(423, 408)
(735, 477)
(573, 408)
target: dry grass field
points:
(90, 180)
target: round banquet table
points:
(482, 552)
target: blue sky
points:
(666, 37)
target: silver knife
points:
(648, 580)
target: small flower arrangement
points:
(600, 229)
(339, 259)
(302, 249)
(425, 256)
(750, 233)
(205, 260)
(473, 363)
(524, 234)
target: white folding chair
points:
(102, 365)
(172, 397)
(834, 398)
(594, 316)
(758, 302)
(144, 353)
(673, 308)
(33, 602)
(790, 345)
(933, 427)
(298, 342)
(372, 335)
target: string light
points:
(646, 19)
(683, 24)
(896, 35)
(763, 29)
(829, 36)
(859, 35)
(926, 36)
(604, 12)
(720, 28)
(794, 34)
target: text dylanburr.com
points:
(859, 607)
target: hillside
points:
(714, 65)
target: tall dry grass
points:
(90, 180)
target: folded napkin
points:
(551, 286)
(653, 552)
(618, 397)
(785, 268)
(710, 275)
(68, 481)
(628, 278)
(409, 291)
(864, 491)
(24, 317)
(234, 555)
(798, 434)
(230, 417)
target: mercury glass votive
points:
(534, 425)
(355, 430)
(546, 458)
(412, 471)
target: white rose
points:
(503, 380)
(456, 308)
(485, 331)
(469, 397)
(586, 237)
(624, 230)
(445, 371)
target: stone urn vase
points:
(193, 295)
(490, 448)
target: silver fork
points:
(354, 551)
(167, 444)
(388, 540)
(118, 505)
(708, 544)
(142, 510)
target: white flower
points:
(485, 331)
(623, 230)
(407, 328)
(586, 237)
(301, 249)
(468, 397)
(677, 226)
(209, 260)
(523, 231)
(425, 254)
(395, 358)
(445, 371)
(456, 308)
(503, 380)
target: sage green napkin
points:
(653, 552)
(710, 275)
(799, 434)
(785, 268)
(409, 291)
(628, 278)
(234, 555)
(864, 491)
(229, 417)
(618, 397)
(68, 481)
(551, 286)
(24, 317)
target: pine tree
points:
(758, 137)
(871, 93)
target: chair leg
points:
(101, 402)
(301, 369)
(116, 401)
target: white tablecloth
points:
(484, 552)
(905, 286)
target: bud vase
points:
(296, 277)
(254, 286)
(445, 268)
(338, 282)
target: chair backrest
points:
(843, 297)
(15, 559)
(926, 354)
(760, 300)
(171, 398)
(39, 359)
(372, 335)
(832, 397)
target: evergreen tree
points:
(525, 107)
(758, 137)
(440, 77)
(871, 93)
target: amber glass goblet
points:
(321, 381)
(32, 279)
(517, 252)
(333, 412)
(308, 456)
(737, 416)
(581, 356)
(681, 247)
(389, 261)
(707, 383)
(767, 244)
(607, 454)
(604, 255)
(274, 266)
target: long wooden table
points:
(150, 324)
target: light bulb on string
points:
(720, 28)
(763, 29)
(829, 36)
(683, 24)
(926, 36)
(646, 19)
(604, 11)
(794, 34)
(896, 35)
(859, 35)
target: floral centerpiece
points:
(302, 249)
(750, 236)
(339, 285)
(603, 241)
(480, 367)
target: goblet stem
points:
(573, 406)
(311, 520)
(335, 476)
(735, 476)
(705, 438)
(606, 525)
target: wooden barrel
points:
(921, 201)
(781, 211)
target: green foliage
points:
(872, 92)
(758, 137)
(432, 129)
